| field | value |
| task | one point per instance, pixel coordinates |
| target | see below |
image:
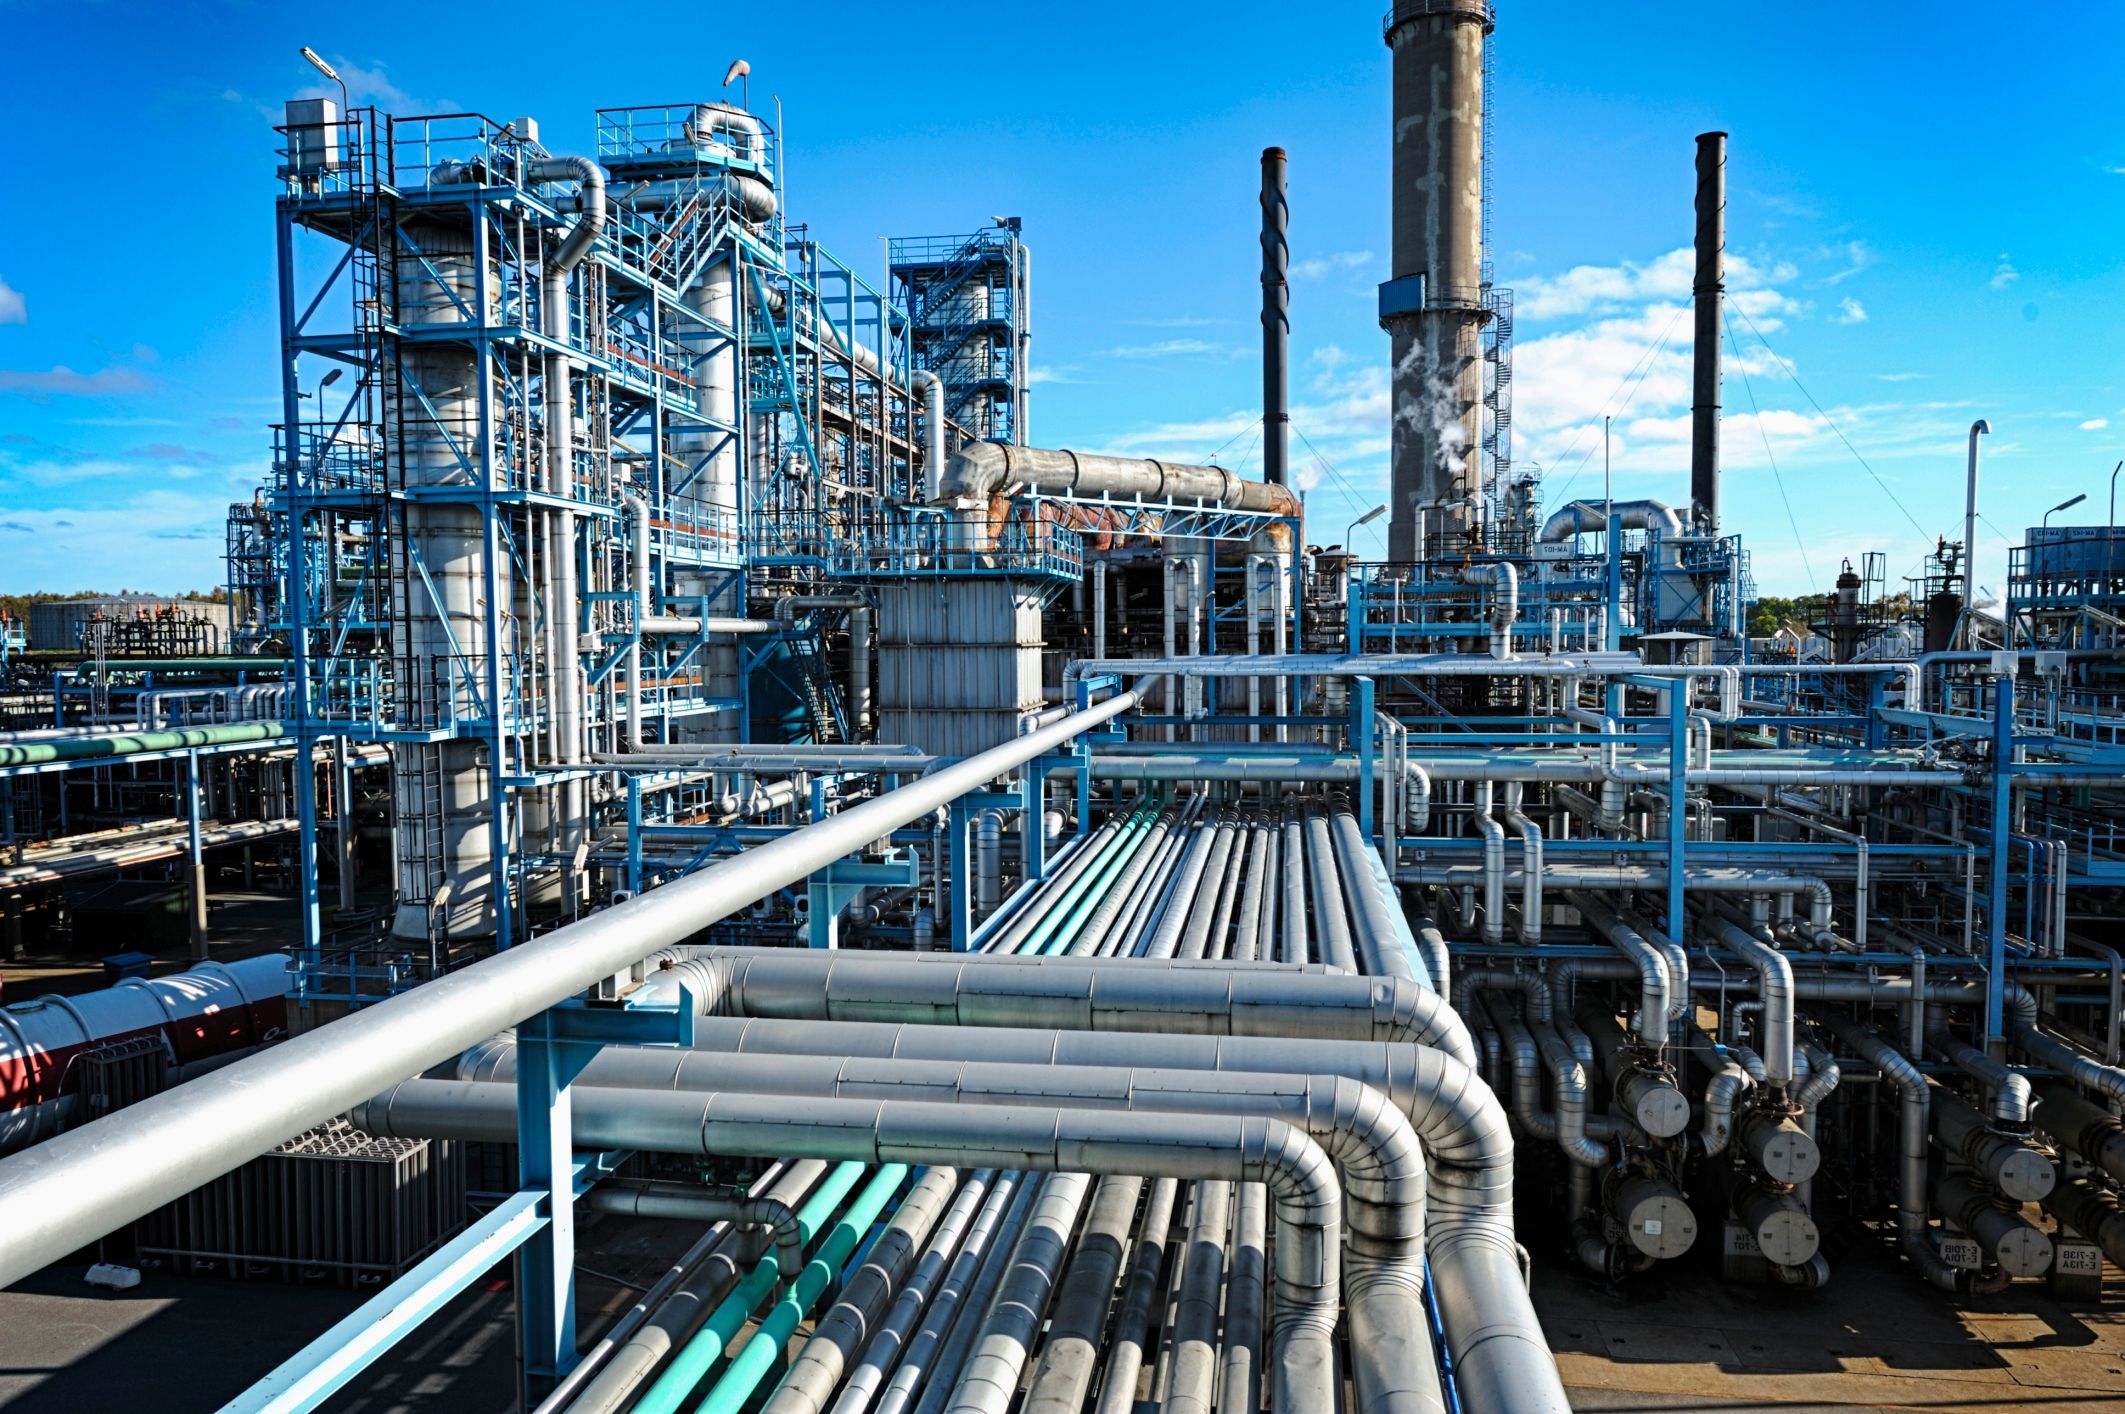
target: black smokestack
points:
(1276, 319)
(1710, 291)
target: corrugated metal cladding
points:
(58, 625)
(958, 663)
(333, 1201)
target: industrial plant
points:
(1003, 928)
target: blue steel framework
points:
(968, 301)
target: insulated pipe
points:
(985, 469)
(1132, 1324)
(1775, 980)
(1493, 866)
(1497, 1345)
(1308, 1198)
(1374, 934)
(1721, 1093)
(645, 606)
(2010, 1091)
(1192, 1349)
(679, 1200)
(1647, 1097)
(1530, 866)
(1012, 1323)
(1654, 989)
(969, 1221)
(1330, 913)
(2094, 1133)
(1823, 1077)
(1504, 582)
(2012, 1165)
(1356, 1125)
(934, 1355)
(2020, 1248)
(2070, 1061)
(77, 1186)
(2093, 1213)
(1587, 516)
(988, 863)
(1070, 1354)
(1297, 945)
(841, 1333)
(1915, 1092)
(1783, 1230)
(1093, 994)
(931, 389)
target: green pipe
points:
(1035, 940)
(1082, 908)
(766, 1344)
(693, 1361)
(89, 748)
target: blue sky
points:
(1925, 221)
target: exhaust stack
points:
(1276, 319)
(1709, 289)
(1432, 308)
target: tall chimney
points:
(1432, 307)
(1276, 320)
(1710, 290)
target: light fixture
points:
(2062, 506)
(346, 105)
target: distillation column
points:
(443, 790)
(1432, 306)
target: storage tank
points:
(202, 1018)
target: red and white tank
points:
(203, 1017)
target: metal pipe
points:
(1276, 319)
(984, 469)
(1309, 1200)
(1070, 1354)
(2010, 1091)
(1968, 636)
(2021, 1249)
(1012, 1322)
(1775, 980)
(1708, 293)
(1915, 1092)
(1499, 1351)
(678, 1200)
(931, 388)
(78, 1186)
(2069, 1060)
(2006, 1162)
(2092, 1132)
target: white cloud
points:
(370, 84)
(1040, 375)
(1170, 348)
(2095, 424)
(1898, 377)
(1600, 289)
(1857, 255)
(2006, 274)
(13, 310)
(62, 381)
(1850, 311)
(167, 541)
(1315, 267)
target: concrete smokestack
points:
(1276, 320)
(1432, 308)
(1710, 290)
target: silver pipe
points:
(931, 388)
(956, 1245)
(1012, 1322)
(1193, 1333)
(984, 469)
(1240, 1378)
(2092, 1132)
(75, 1187)
(1531, 869)
(1775, 981)
(2010, 1091)
(1497, 1344)
(2021, 1249)
(2006, 1162)
(1915, 1092)
(818, 1368)
(1309, 1200)
(1071, 1351)
(2069, 1060)
(931, 1366)
(687, 1309)
(1654, 988)
(1493, 865)
(1329, 913)
(1125, 1357)
(678, 1200)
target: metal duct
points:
(1589, 517)
(1708, 292)
(985, 469)
(1914, 1091)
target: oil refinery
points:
(982, 926)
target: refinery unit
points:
(1064, 939)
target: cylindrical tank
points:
(202, 1016)
(1781, 1148)
(1782, 1228)
(1657, 1218)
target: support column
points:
(195, 855)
